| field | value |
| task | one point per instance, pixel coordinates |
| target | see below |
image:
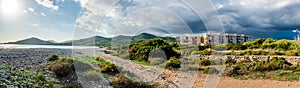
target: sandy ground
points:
(229, 82)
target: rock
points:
(16, 83)
(3, 86)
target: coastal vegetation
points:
(62, 67)
(94, 68)
(158, 48)
(258, 46)
(117, 80)
(53, 57)
(23, 78)
(275, 68)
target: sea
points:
(18, 46)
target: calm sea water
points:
(16, 46)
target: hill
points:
(116, 41)
(92, 41)
(96, 40)
(32, 41)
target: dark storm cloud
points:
(260, 18)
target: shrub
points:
(230, 71)
(121, 81)
(140, 51)
(173, 63)
(195, 53)
(53, 57)
(229, 61)
(291, 53)
(101, 61)
(205, 62)
(203, 47)
(41, 76)
(62, 67)
(274, 52)
(210, 70)
(274, 63)
(220, 47)
(109, 68)
(206, 52)
(260, 52)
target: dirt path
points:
(228, 82)
(235, 83)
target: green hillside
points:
(32, 41)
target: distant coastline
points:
(26, 46)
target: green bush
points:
(120, 81)
(229, 61)
(41, 76)
(173, 63)
(195, 53)
(220, 47)
(274, 52)
(53, 57)
(205, 62)
(260, 52)
(203, 47)
(231, 71)
(291, 53)
(101, 61)
(235, 47)
(140, 51)
(62, 67)
(275, 63)
(206, 52)
(109, 69)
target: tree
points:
(140, 51)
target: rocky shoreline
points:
(16, 64)
(30, 59)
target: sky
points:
(62, 20)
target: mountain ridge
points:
(94, 40)
(32, 40)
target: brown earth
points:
(229, 82)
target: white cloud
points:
(34, 25)
(31, 9)
(25, 11)
(82, 2)
(48, 4)
(43, 14)
(263, 14)
(129, 16)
